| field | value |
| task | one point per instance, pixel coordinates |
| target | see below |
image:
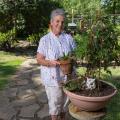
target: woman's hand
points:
(53, 63)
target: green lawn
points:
(113, 108)
(8, 66)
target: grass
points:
(113, 108)
(9, 63)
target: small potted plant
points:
(66, 63)
(89, 92)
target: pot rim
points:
(67, 61)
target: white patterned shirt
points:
(53, 47)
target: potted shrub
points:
(89, 92)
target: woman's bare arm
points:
(50, 63)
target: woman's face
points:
(57, 24)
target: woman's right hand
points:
(53, 63)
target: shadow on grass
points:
(28, 51)
(5, 71)
(113, 108)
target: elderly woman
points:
(51, 47)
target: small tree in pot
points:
(102, 49)
(89, 92)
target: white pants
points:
(56, 100)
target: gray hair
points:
(57, 12)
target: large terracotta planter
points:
(89, 103)
(66, 66)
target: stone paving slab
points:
(7, 112)
(29, 110)
(23, 102)
(11, 92)
(43, 113)
(4, 101)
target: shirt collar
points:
(54, 36)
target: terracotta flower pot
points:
(89, 103)
(66, 66)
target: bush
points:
(34, 38)
(7, 39)
(81, 42)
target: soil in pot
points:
(104, 90)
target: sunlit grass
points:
(115, 72)
(8, 66)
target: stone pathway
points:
(25, 98)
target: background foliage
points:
(30, 19)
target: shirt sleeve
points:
(41, 47)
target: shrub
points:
(34, 38)
(7, 39)
(81, 42)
